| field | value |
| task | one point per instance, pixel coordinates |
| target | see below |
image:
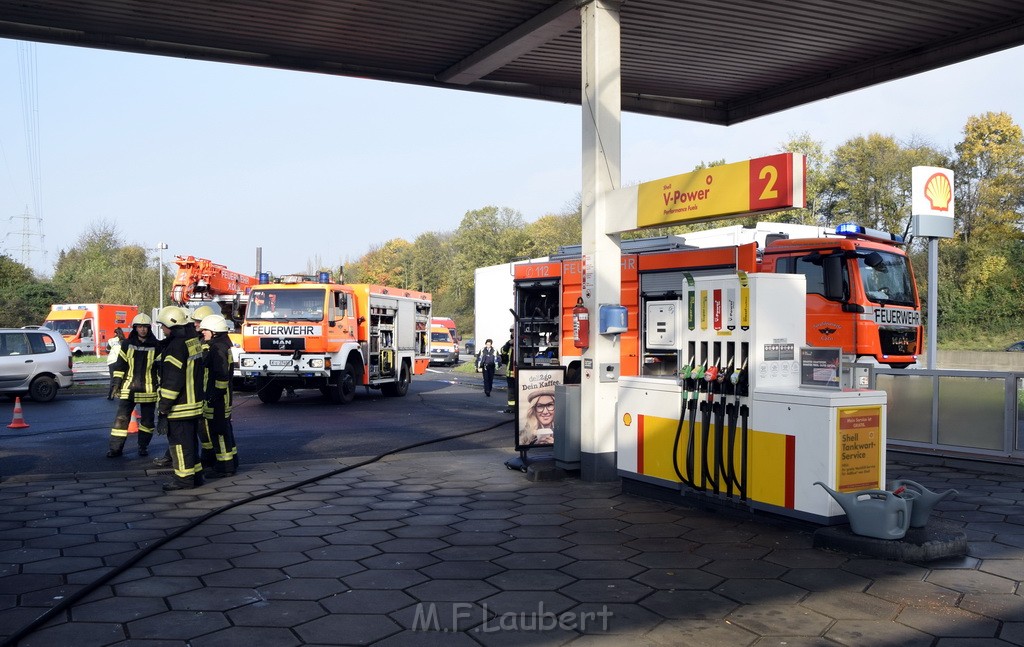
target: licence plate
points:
(280, 362)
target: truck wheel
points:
(399, 388)
(43, 388)
(344, 390)
(269, 393)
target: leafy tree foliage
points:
(102, 268)
(990, 178)
(869, 182)
(25, 299)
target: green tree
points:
(26, 300)
(989, 178)
(101, 268)
(869, 182)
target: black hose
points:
(691, 443)
(73, 598)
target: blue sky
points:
(216, 160)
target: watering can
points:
(923, 500)
(874, 513)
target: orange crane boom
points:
(200, 277)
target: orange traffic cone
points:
(18, 422)
(133, 426)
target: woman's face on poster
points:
(545, 410)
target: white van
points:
(34, 362)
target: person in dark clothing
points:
(487, 360)
(180, 407)
(508, 358)
(134, 381)
(222, 456)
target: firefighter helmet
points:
(172, 316)
(142, 320)
(201, 313)
(214, 323)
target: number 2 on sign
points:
(771, 174)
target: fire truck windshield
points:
(886, 278)
(293, 305)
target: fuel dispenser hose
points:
(692, 376)
(73, 598)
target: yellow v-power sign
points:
(759, 185)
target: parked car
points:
(34, 362)
(470, 346)
(1016, 346)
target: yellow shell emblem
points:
(939, 192)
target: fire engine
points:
(861, 297)
(309, 332)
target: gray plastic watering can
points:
(874, 513)
(923, 500)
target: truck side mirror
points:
(833, 270)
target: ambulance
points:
(87, 327)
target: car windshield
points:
(886, 278)
(293, 305)
(440, 336)
(63, 326)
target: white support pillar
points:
(602, 152)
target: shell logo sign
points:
(932, 202)
(939, 192)
(932, 190)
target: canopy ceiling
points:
(713, 61)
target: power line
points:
(29, 76)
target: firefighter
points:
(199, 314)
(222, 454)
(206, 444)
(134, 375)
(508, 352)
(180, 405)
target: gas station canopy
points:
(713, 61)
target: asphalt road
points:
(69, 435)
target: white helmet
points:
(201, 313)
(172, 316)
(214, 323)
(142, 320)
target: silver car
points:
(34, 362)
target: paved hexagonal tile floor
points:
(451, 548)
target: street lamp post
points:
(160, 248)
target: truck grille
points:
(898, 341)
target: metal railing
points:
(953, 411)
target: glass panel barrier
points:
(909, 406)
(971, 412)
(1019, 417)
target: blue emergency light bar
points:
(264, 278)
(853, 229)
(324, 277)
